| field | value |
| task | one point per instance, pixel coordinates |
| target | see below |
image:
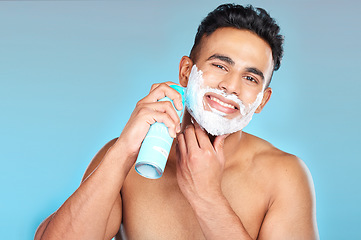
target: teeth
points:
(222, 103)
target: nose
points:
(230, 84)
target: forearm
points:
(218, 220)
(84, 215)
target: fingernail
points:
(178, 128)
(180, 105)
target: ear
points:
(266, 97)
(185, 67)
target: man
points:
(219, 182)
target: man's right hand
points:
(148, 111)
(94, 210)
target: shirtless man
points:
(232, 186)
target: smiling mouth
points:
(221, 104)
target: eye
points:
(249, 78)
(219, 66)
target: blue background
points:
(71, 73)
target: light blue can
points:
(153, 153)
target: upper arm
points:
(115, 217)
(292, 213)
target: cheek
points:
(211, 80)
(248, 95)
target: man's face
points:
(236, 61)
(234, 67)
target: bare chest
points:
(156, 209)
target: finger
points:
(161, 90)
(181, 157)
(164, 107)
(155, 85)
(182, 146)
(177, 151)
(190, 138)
(218, 143)
(168, 122)
(182, 163)
(152, 116)
(202, 137)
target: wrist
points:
(203, 204)
(122, 155)
(125, 148)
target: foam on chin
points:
(214, 121)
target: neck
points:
(230, 145)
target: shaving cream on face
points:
(215, 121)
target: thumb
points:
(218, 143)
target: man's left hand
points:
(200, 164)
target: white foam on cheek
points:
(214, 121)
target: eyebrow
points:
(255, 71)
(222, 58)
(231, 62)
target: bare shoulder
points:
(292, 200)
(280, 164)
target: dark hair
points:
(256, 20)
